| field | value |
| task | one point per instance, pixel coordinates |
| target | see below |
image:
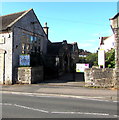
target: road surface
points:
(47, 106)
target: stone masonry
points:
(99, 77)
(106, 77)
(115, 29)
(29, 75)
(21, 33)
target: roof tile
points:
(10, 18)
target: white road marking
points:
(30, 108)
(55, 112)
(115, 101)
(25, 107)
(56, 95)
(86, 113)
(70, 96)
(6, 104)
(116, 116)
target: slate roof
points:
(11, 19)
(115, 16)
(103, 39)
(54, 48)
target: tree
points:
(92, 59)
(110, 59)
(83, 53)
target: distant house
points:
(83, 53)
(107, 43)
(21, 33)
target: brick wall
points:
(29, 75)
(101, 77)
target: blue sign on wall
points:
(24, 60)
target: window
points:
(28, 38)
(35, 38)
(28, 48)
(2, 40)
(31, 39)
(23, 49)
(30, 42)
(113, 44)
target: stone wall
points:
(99, 77)
(29, 75)
(115, 28)
(30, 24)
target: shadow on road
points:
(67, 77)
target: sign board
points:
(80, 67)
(24, 60)
(101, 57)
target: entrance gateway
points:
(2, 66)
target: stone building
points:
(106, 77)
(20, 33)
(62, 55)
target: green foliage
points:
(83, 53)
(110, 59)
(82, 60)
(92, 59)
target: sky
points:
(81, 22)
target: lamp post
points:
(74, 65)
(57, 66)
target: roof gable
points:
(11, 19)
(61, 47)
(115, 16)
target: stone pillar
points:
(115, 28)
(116, 71)
(116, 48)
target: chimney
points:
(46, 29)
(64, 41)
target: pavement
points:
(63, 87)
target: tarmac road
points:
(67, 89)
(46, 106)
